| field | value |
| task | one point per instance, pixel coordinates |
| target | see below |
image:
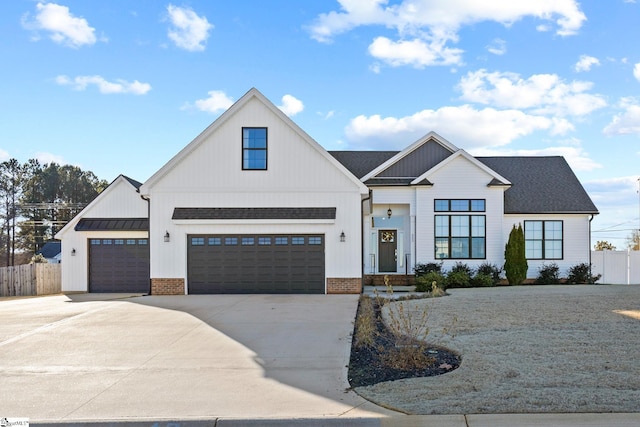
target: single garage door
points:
(268, 264)
(119, 265)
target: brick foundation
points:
(394, 280)
(162, 286)
(348, 285)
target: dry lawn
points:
(528, 349)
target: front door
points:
(387, 251)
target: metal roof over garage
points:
(253, 213)
(112, 224)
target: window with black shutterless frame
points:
(254, 148)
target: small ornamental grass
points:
(409, 328)
(365, 330)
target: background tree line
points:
(36, 201)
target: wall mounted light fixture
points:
(342, 236)
(73, 252)
(389, 212)
(167, 236)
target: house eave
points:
(552, 213)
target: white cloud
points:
(217, 102)
(542, 93)
(586, 62)
(189, 31)
(428, 26)
(473, 127)
(44, 158)
(291, 105)
(417, 52)
(636, 71)
(497, 47)
(104, 86)
(63, 27)
(627, 122)
(4, 155)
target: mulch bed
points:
(366, 365)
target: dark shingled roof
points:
(540, 185)
(112, 224)
(133, 182)
(51, 249)
(389, 181)
(361, 163)
(254, 213)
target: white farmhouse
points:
(255, 205)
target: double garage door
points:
(255, 264)
(119, 265)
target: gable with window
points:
(460, 236)
(254, 148)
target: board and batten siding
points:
(119, 200)
(576, 244)
(208, 173)
(461, 179)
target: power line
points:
(51, 205)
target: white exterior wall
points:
(575, 240)
(461, 179)
(401, 201)
(297, 175)
(119, 200)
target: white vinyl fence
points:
(616, 267)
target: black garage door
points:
(256, 264)
(118, 265)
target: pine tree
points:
(515, 265)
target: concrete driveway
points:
(115, 357)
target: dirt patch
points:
(528, 349)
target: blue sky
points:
(121, 86)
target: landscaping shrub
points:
(462, 267)
(458, 279)
(581, 273)
(490, 270)
(548, 274)
(425, 281)
(515, 265)
(481, 280)
(422, 269)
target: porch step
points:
(382, 290)
(395, 288)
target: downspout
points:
(368, 198)
(590, 272)
(148, 200)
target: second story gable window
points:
(254, 148)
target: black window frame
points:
(252, 150)
(469, 202)
(544, 239)
(450, 238)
